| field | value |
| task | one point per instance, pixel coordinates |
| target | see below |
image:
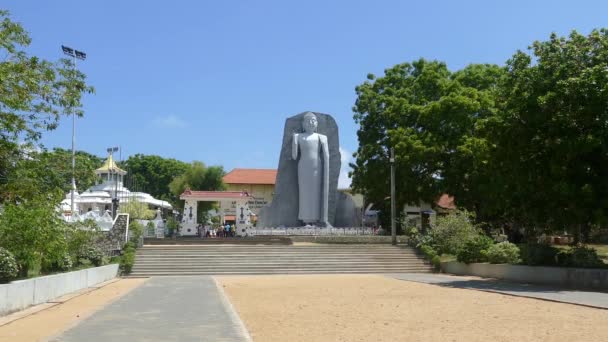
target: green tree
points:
(199, 177)
(60, 161)
(33, 172)
(34, 93)
(153, 174)
(431, 117)
(34, 233)
(551, 137)
(137, 210)
(30, 177)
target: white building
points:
(98, 198)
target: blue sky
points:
(215, 80)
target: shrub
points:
(503, 253)
(171, 225)
(451, 232)
(436, 261)
(150, 228)
(128, 258)
(579, 256)
(432, 256)
(475, 250)
(8, 266)
(62, 264)
(80, 237)
(136, 230)
(33, 232)
(92, 254)
(538, 254)
(428, 252)
(67, 263)
(137, 210)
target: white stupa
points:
(98, 198)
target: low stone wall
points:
(115, 238)
(578, 278)
(20, 294)
(373, 239)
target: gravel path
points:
(380, 308)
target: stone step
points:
(260, 250)
(283, 261)
(270, 272)
(286, 259)
(303, 246)
(237, 259)
(279, 265)
(278, 255)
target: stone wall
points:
(20, 294)
(578, 278)
(115, 238)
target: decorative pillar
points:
(242, 216)
(189, 223)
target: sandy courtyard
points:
(377, 308)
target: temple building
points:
(257, 183)
(110, 184)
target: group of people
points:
(219, 231)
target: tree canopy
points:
(199, 177)
(153, 174)
(524, 143)
(34, 94)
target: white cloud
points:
(343, 180)
(170, 121)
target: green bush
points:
(503, 253)
(171, 225)
(8, 266)
(436, 261)
(33, 232)
(579, 256)
(128, 258)
(428, 252)
(475, 250)
(82, 236)
(92, 254)
(59, 265)
(136, 230)
(150, 228)
(538, 255)
(451, 232)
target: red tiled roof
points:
(213, 194)
(446, 202)
(251, 176)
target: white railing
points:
(313, 231)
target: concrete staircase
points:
(166, 260)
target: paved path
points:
(164, 309)
(594, 299)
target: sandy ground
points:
(377, 308)
(306, 243)
(48, 320)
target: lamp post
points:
(114, 176)
(393, 225)
(82, 56)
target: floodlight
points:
(80, 55)
(68, 51)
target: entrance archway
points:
(242, 216)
